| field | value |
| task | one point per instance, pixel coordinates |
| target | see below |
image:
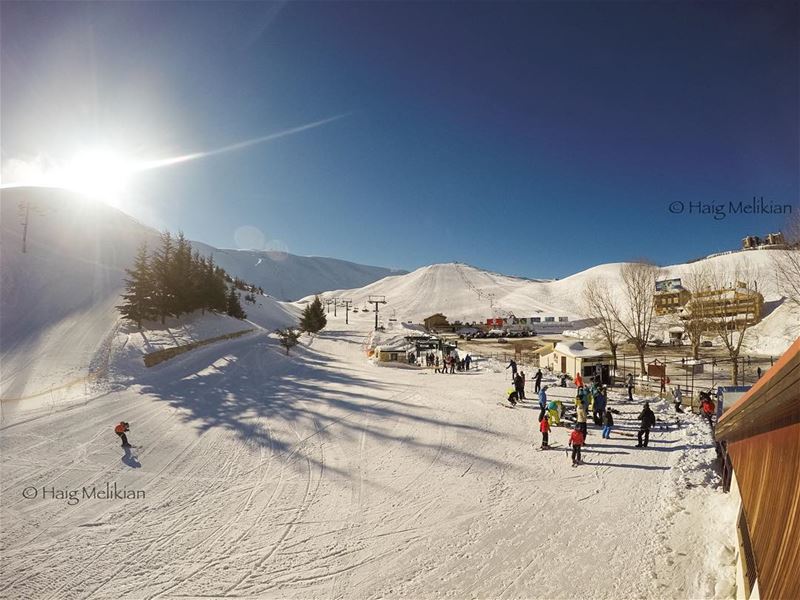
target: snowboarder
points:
(537, 379)
(630, 387)
(120, 430)
(648, 419)
(544, 427)
(608, 423)
(576, 439)
(678, 395)
(513, 364)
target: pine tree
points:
(234, 308)
(181, 277)
(313, 318)
(164, 296)
(289, 337)
(138, 299)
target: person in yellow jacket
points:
(554, 413)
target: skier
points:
(467, 361)
(678, 395)
(544, 427)
(518, 386)
(563, 380)
(580, 420)
(648, 419)
(578, 380)
(513, 364)
(512, 396)
(542, 401)
(576, 439)
(436, 364)
(707, 404)
(120, 430)
(608, 423)
(599, 407)
(630, 387)
(552, 410)
(758, 373)
(522, 384)
(538, 381)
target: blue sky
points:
(533, 139)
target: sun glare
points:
(98, 174)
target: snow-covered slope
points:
(290, 277)
(58, 320)
(466, 293)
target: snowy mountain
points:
(466, 293)
(58, 298)
(290, 277)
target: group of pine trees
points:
(173, 280)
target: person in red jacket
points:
(544, 427)
(576, 441)
(120, 430)
(707, 404)
(578, 380)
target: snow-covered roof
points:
(578, 350)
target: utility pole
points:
(346, 303)
(377, 300)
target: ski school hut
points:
(759, 439)
(575, 358)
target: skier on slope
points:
(518, 386)
(678, 395)
(576, 439)
(648, 419)
(580, 421)
(513, 364)
(630, 387)
(537, 379)
(608, 423)
(544, 427)
(707, 404)
(542, 402)
(120, 430)
(578, 380)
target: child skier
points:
(120, 430)
(552, 409)
(512, 396)
(608, 423)
(544, 427)
(576, 440)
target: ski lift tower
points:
(346, 302)
(376, 300)
(329, 301)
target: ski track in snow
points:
(320, 475)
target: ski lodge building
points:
(574, 357)
(759, 437)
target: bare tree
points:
(636, 318)
(787, 262)
(694, 315)
(598, 306)
(732, 307)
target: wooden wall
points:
(762, 432)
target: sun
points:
(97, 173)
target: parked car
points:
(502, 341)
(706, 344)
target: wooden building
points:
(760, 438)
(437, 322)
(575, 358)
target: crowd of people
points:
(449, 363)
(590, 403)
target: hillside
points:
(58, 320)
(290, 277)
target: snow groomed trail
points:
(320, 475)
